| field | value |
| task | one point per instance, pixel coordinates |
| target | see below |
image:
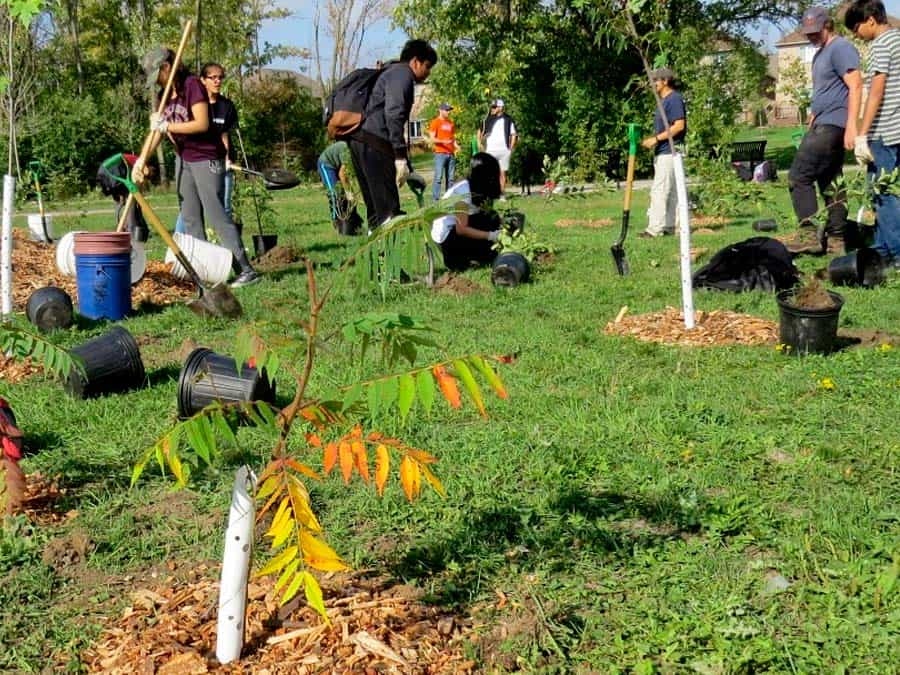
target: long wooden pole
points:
(151, 139)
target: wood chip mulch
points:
(41, 494)
(709, 222)
(375, 628)
(719, 327)
(13, 371)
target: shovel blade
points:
(217, 301)
(618, 254)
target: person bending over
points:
(466, 236)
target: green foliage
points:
(398, 334)
(252, 202)
(719, 191)
(21, 344)
(525, 242)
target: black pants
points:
(818, 161)
(462, 252)
(377, 181)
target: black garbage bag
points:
(758, 263)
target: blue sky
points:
(384, 43)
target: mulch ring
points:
(592, 223)
(719, 327)
(453, 284)
(41, 494)
(375, 628)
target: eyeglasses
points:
(217, 78)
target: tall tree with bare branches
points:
(344, 23)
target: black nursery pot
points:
(112, 363)
(765, 225)
(49, 308)
(510, 269)
(863, 267)
(140, 233)
(808, 331)
(514, 221)
(207, 377)
(264, 242)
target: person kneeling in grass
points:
(468, 234)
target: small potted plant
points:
(517, 252)
(809, 318)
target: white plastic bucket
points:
(212, 262)
(65, 257)
(65, 253)
(36, 229)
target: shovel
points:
(275, 179)
(617, 249)
(215, 301)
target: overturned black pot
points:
(808, 331)
(765, 225)
(112, 363)
(863, 267)
(49, 308)
(263, 243)
(206, 377)
(510, 269)
(514, 221)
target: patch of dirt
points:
(640, 527)
(278, 258)
(812, 296)
(709, 222)
(576, 222)
(375, 627)
(703, 230)
(719, 327)
(780, 457)
(180, 504)
(453, 284)
(545, 259)
(64, 553)
(870, 338)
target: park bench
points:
(752, 152)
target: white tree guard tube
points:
(687, 283)
(6, 243)
(236, 567)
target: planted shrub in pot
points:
(518, 250)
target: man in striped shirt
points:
(878, 143)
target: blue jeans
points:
(887, 207)
(229, 191)
(330, 180)
(443, 162)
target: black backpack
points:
(345, 108)
(759, 263)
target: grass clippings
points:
(375, 627)
(716, 328)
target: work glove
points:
(138, 171)
(402, 168)
(861, 150)
(350, 196)
(493, 235)
(229, 165)
(158, 123)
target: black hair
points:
(204, 71)
(420, 50)
(484, 178)
(181, 74)
(861, 10)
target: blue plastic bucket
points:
(104, 285)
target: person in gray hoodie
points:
(379, 147)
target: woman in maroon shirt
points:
(200, 157)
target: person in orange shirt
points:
(442, 136)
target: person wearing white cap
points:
(498, 136)
(835, 106)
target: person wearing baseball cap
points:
(442, 137)
(832, 129)
(498, 136)
(663, 212)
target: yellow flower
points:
(885, 347)
(827, 383)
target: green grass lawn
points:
(637, 504)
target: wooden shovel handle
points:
(150, 141)
(629, 182)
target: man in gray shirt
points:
(837, 91)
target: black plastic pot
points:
(510, 269)
(264, 242)
(863, 267)
(514, 221)
(349, 226)
(49, 308)
(765, 225)
(112, 363)
(140, 232)
(808, 331)
(856, 235)
(207, 377)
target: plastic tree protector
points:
(236, 567)
(684, 217)
(9, 194)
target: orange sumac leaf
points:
(410, 477)
(331, 453)
(375, 436)
(346, 458)
(357, 432)
(302, 468)
(448, 386)
(361, 459)
(314, 440)
(382, 467)
(433, 481)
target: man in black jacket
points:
(379, 148)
